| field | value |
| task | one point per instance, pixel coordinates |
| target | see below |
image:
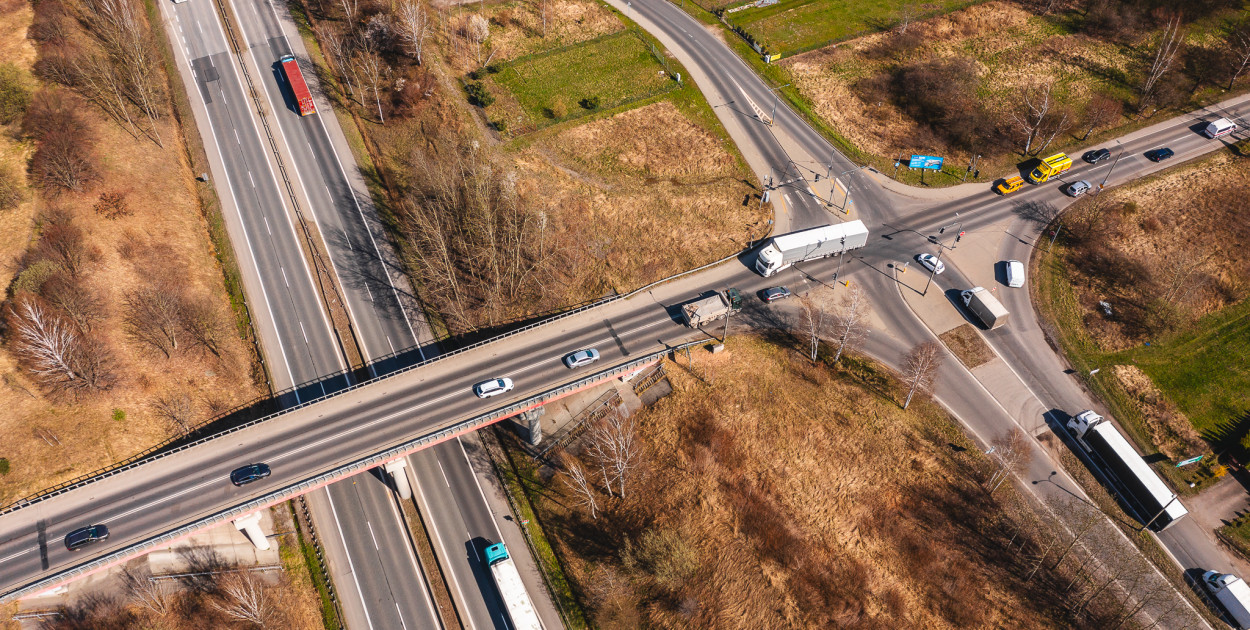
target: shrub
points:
(500, 125)
(590, 102)
(14, 94)
(4, 465)
(559, 109)
(479, 95)
(112, 205)
(119, 415)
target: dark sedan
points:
(84, 536)
(1097, 155)
(248, 474)
(1159, 155)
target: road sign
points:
(926, 161)
(1191, 460)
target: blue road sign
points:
(926, 161)
(1191, 460)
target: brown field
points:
(788, 495)
(52, 438)
(516, 29)
(966, 343)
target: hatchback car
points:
(493, 387)
(84, 536)
(1159, 155)
(776, 293)
(581, 357)
(1076, 189)
(248, 474)
(1096, 156)
(931, 262)
(1015, 274)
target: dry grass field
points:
(784, 494)
(516, 29)
(50, 437)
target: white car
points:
(1076, 189)
(931, 262)
(581, 357)
(1015, 274)
(493, 387)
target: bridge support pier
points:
(529, 425)
(250, 526)
(396, 469)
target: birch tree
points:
(576, 480)
(1031, 115)
(920, 368)
(373, 71)
(850, 321)
(47, 343)
(413, 24)
(815, 317)
(244, 597)
(154, 595)
(1238, 42)
(1011, 456)
(613, 442)
(1165, 54)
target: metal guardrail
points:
(341, 472)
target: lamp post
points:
(1117, 161)
(1160, 513)
(776, 97)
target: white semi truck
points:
(785, 250)
(1232, 593)
(1155, 503)
(511, 589)
(985, 306)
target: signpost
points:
(1191, 460)
(926, 163)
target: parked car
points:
(248, 474)
(931, 262)
(1015, 274)
(1010, 185)
(493, 387)
(1096, 156)
(776, 293)
(1159, 155)
(580, 358)
(1076, 189)
(84, 536)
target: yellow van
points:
(1050, 167)
(1010, 185)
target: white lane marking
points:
(303, 332)
(16, 555)
(401, 615)
(310, 150)
(373, 535)
(284, 280)
(160, 500)
(440, 469)
(350, 568)
(498, 534)
(266, 218)
(249, 177)
(236, 137)
(197, 25)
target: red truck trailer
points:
(298, 86)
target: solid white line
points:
(438, 537)
(360, 594)
(401, 615)
(18, 554)
(373, 535)
(161, 500)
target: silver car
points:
(1076, 189)
(1015, 274)
(493, 387)
(581, 357)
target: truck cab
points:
(1050, 167)
(1083, 422)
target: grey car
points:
(1076, 189)
(581, 357)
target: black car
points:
(248, 474)
(1159, 155)
(1097, 155)
(84, 536)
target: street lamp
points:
(776, 96)
(1117, 161)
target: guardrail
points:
(335, 474)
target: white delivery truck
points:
(1233, 594)
(511, 589)
(985, 306)
(1221, 127)
(785, 250)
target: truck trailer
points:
(785, 250)
(511, 589)
(1050, 167)
(711, 308)
(299, 88)
(985, 306)
(1141, 487)
(1233, 595)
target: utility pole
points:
(840, 256)
(1117, 161)
(1156, 516)
(933, 272)
(1053, 236)
(776, 97)
(728, 314)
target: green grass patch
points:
(1237, 535)
(1206, 372)
(794, 26)
(558, 85)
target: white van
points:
(1221, 127)
(1015, 274)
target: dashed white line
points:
(284, 280)
(372, 535)
(249, 177)
(16, 555)
(303, 332)
(266, 218)
(440, 469)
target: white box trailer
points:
(1221, 127)
(785, 250)
(1233, 595)
(1144, 489)
(512, 589)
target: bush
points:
(4, 465)
(500, 125)
(14, 94)
(478, 95)
(119, 415)
(11, 192)
(112, 205)
(590, 102)
(558, 109)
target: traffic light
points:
(961, 235)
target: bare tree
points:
(1165, 54)
(62, 242)
(1238, 42)
(351, 10)
(245, 598)
(613, 442)
(75, 299)
(850, 321)
(477, 31)
(178, 411)
(815, 317)
(1179, 269)
(1081, 519)
(920, 368)
(49, 344)
(1103, 109)
(374, 72)
(574, 477)
(1031, 116)
(63, 160)
(1059, 123)
(906, 14)
(154, 595)
(154, 315)
(200, 317)
(338, 50)
(1012, 455)
(413, 23)
(543, 9)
